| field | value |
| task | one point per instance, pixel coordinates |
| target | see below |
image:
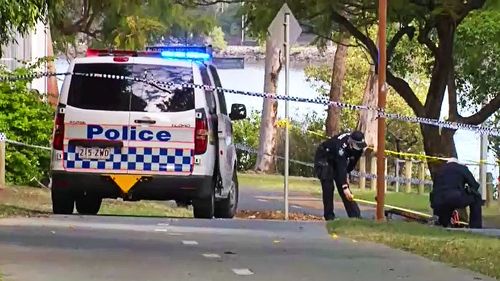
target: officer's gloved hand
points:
(347, 192)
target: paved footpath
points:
(81, 248)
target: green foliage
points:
(122, 24)
(246, 132)
(305, 135)
(20, 16)
(477, 57)
(401, 136)
(26, 118)
(217, 38)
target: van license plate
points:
(95, 153)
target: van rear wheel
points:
(88, 204)
(204, 208)
(63, 202)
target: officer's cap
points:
(357, 140)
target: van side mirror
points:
(238, 111)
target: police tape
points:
(404, 155)
(318, 100)
(402, 180)
(249, 149)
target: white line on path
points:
(174, 234)
(211, 256)
(163, 224)
(296, 207)
(161, 229)
(189, 242)
(262, 200)
(242, 271)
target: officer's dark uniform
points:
(334, 159)
(449, 193)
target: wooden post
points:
(489, 189)
(2, 161)
(362, 171)
(385, 174)
(408, 168)
(421, 176)
(396, 164)
(373, 171)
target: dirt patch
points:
(276, 215)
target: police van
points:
(130, 125)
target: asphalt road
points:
(300, 202)
(126, 248)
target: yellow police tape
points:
(283, 122)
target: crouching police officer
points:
(334, 159)
(449, 192)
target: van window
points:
(127, 95)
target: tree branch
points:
(408, 30)
(365, 40)
(310, 30)
(468, 7)
(483, 114)
(405, 91)
(423, 38)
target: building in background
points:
(28, 49)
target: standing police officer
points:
(450, 193)
(334, 159)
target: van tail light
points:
(58, 140)
(200, 134)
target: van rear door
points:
(162, 120)
(96, 118)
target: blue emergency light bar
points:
(183, 52)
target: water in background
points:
(251, 79)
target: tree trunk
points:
(338, 74)
(438, 142)
(367, 122)
(267, 142)
(52, 88)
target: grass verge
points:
(29, 201)
(466, 250)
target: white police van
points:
(139, 139)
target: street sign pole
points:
(382, 11)
(286, 46)
(284, 30)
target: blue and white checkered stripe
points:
(136, 159)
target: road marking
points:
(211, 256)
(163, 224)
(189, 242)
(262, 200)
(296, 207)
(242, 271)
(174, 234)
(161, 229)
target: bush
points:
(26, 118)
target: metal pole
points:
(287, 70)
(382, 10)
